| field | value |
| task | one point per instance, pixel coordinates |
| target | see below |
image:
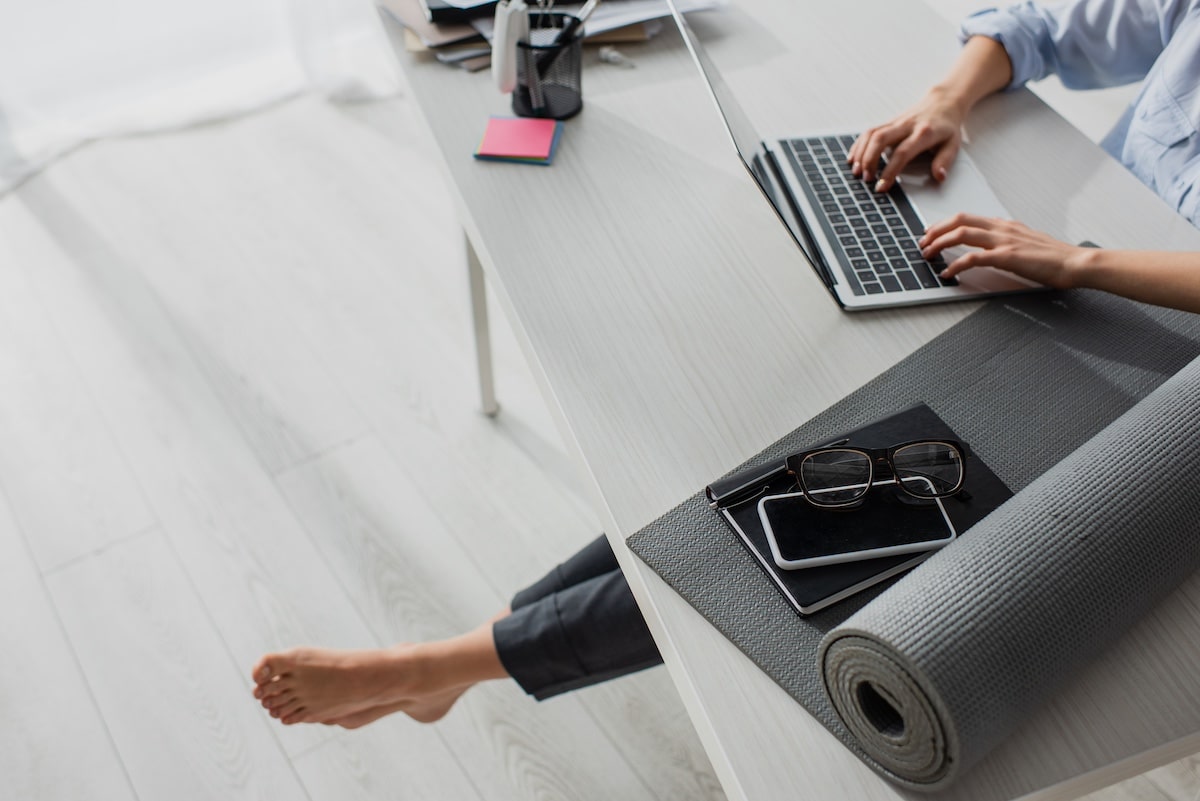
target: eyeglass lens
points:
(928, 468)
(836, 477)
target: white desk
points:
(675, 331)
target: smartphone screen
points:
(888, 521)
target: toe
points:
(263, 672)
(293, 716)
(285, 707)
(278, 700)
(278, 686)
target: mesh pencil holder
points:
(549, 71)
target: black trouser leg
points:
(577, 626)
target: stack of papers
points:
(613, 14)
(526, 140)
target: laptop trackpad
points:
(963, 190)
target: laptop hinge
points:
(798, 225)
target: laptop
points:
(862, 245)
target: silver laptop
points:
(862, 245)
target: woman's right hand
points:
(933, 124)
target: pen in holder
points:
(549, 66)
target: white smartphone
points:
(888, 522)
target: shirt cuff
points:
(1016, 35)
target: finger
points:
(950, 223)
(944, 159)
(976, 258)
(852, 155)
(880, 141)
(922, 138)
(855, 154)
(966, 235)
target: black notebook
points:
(812, 589)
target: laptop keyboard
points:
(875, 234)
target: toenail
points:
(265, 673)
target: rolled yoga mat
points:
(937, 670)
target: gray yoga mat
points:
(937, 670)
(1026, 382)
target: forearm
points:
(1159, 277)
(982, 68)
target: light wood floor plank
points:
(391, 760)
(170, 695)
(53, 741)
(67, 482)
(252, 563)
(191, 240)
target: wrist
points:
(953, 97)
(1082, 267)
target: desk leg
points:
(483, 342)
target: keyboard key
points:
(860, 264)
(874, 218)
(854, 253)
(925, 275)
(873, 289)
(890, 283)
(892, 252)
(837, 219)
(845, 229)
(907, 279)
(848, 241)
(865, 275)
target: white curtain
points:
(77, 70)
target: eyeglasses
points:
(841, 476)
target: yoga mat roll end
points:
(893, 713)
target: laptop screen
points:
(741, 130)
(746, 139)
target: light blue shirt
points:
(1095, 43)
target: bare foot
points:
(353, 688)
(318, 685)
(427, 711)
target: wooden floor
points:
(237, 413)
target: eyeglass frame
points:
(877, 456)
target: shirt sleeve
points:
(1087, 43)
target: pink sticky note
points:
(523, 138)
